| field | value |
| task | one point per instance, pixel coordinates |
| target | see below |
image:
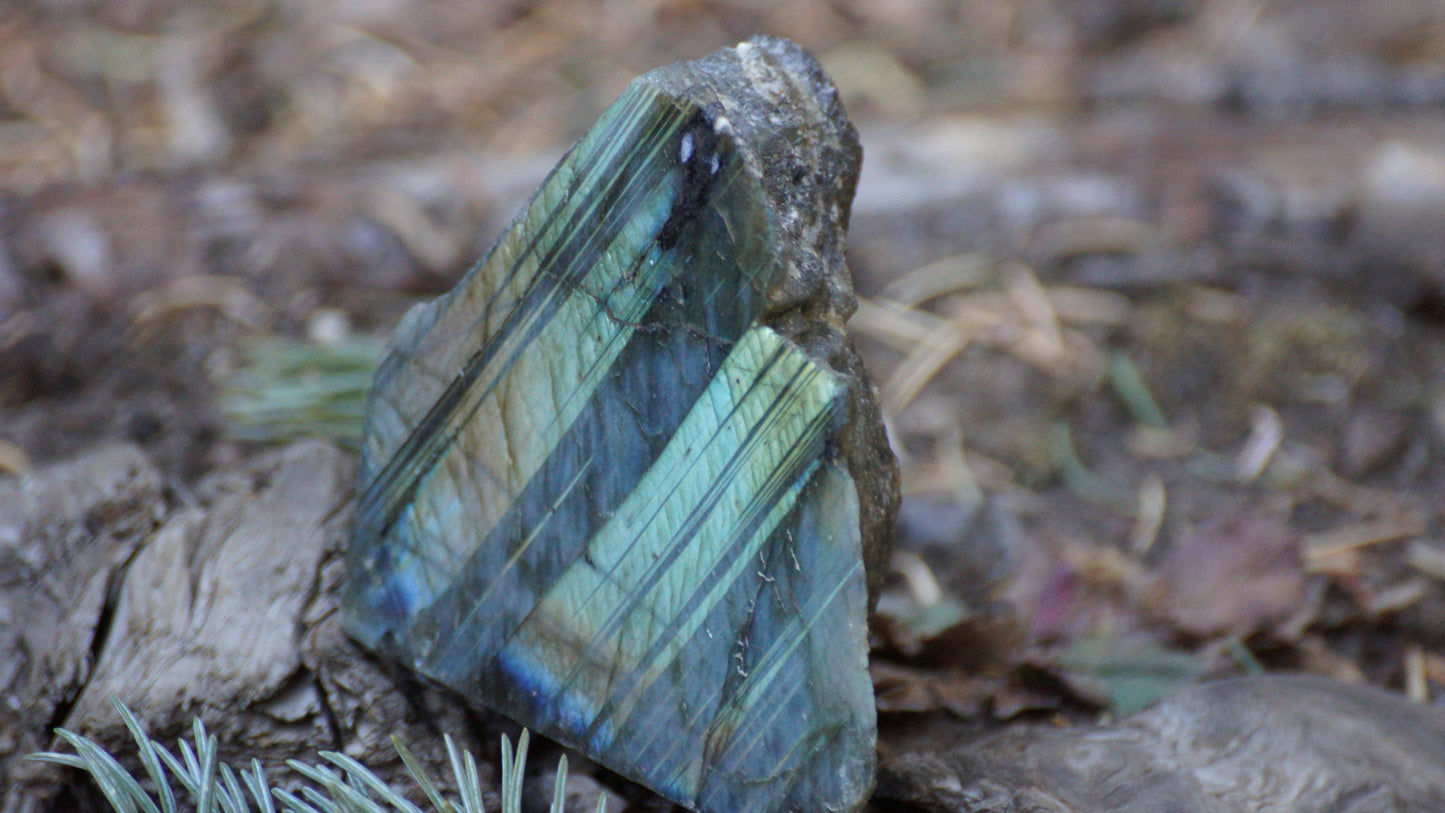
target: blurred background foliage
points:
(1154, 289)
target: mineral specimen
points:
(621, 483)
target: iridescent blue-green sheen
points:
(599, 496)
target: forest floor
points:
(1154, 293)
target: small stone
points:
(1372, 439)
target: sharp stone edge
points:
(601, 495)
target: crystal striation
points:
(627, 482)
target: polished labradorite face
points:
(601, 496)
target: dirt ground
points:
(1154, 292)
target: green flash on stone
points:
(627, 482)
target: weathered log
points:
(1271, 743)
(220, 606)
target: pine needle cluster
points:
(197, 780)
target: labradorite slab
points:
(627, 482)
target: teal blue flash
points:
(601, 495)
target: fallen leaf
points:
(1235, 575)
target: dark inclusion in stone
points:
(627, 482)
